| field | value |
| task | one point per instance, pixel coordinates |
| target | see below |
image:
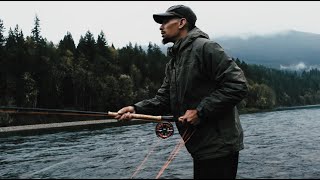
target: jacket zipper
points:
(175, 81)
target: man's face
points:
(170, 30)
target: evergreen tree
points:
(3, 79)
(102, 45)
(36, 30)
(2, 38)
(15, 65)
(67, 44)
(86, 46)
(103, 62)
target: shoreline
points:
(255, 110)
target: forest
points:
(95, 76)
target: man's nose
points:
(161, 27)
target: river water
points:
(278, 145)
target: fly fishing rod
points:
(146, 117)
(43, 111)
(163, 130)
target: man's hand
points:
(125, 113)
(191, 117)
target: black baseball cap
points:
(177, 11)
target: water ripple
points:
(278, 145)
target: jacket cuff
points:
(135, 108)
(200, 116)
(200, 112)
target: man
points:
(201, 88)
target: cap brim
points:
(162, 16)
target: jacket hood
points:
(184, 42)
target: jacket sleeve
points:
(158, 105)
(231, 84)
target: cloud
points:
(299, 67)
(294, 67)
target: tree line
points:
(93, 75)
(270, 88)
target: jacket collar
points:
(181, 44)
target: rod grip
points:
(138, 116)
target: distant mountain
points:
(290, 50)
(286, 50)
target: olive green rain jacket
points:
(201, 76)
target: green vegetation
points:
(270, 88)
(95, 76)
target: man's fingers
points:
(119, 114)
(182, 119)
(189, 120)
(126, 116)
(123, 114)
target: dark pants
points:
(218, 168)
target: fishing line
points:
(185, 138)
(164, 129)
(151, 150)
(145, 159)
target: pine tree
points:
(102, 47)
(3, 79)
(2, 39)
(67, 44)
(36, 31)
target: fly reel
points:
(164, 130)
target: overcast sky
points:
(132, 21)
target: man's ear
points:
(182, 23)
